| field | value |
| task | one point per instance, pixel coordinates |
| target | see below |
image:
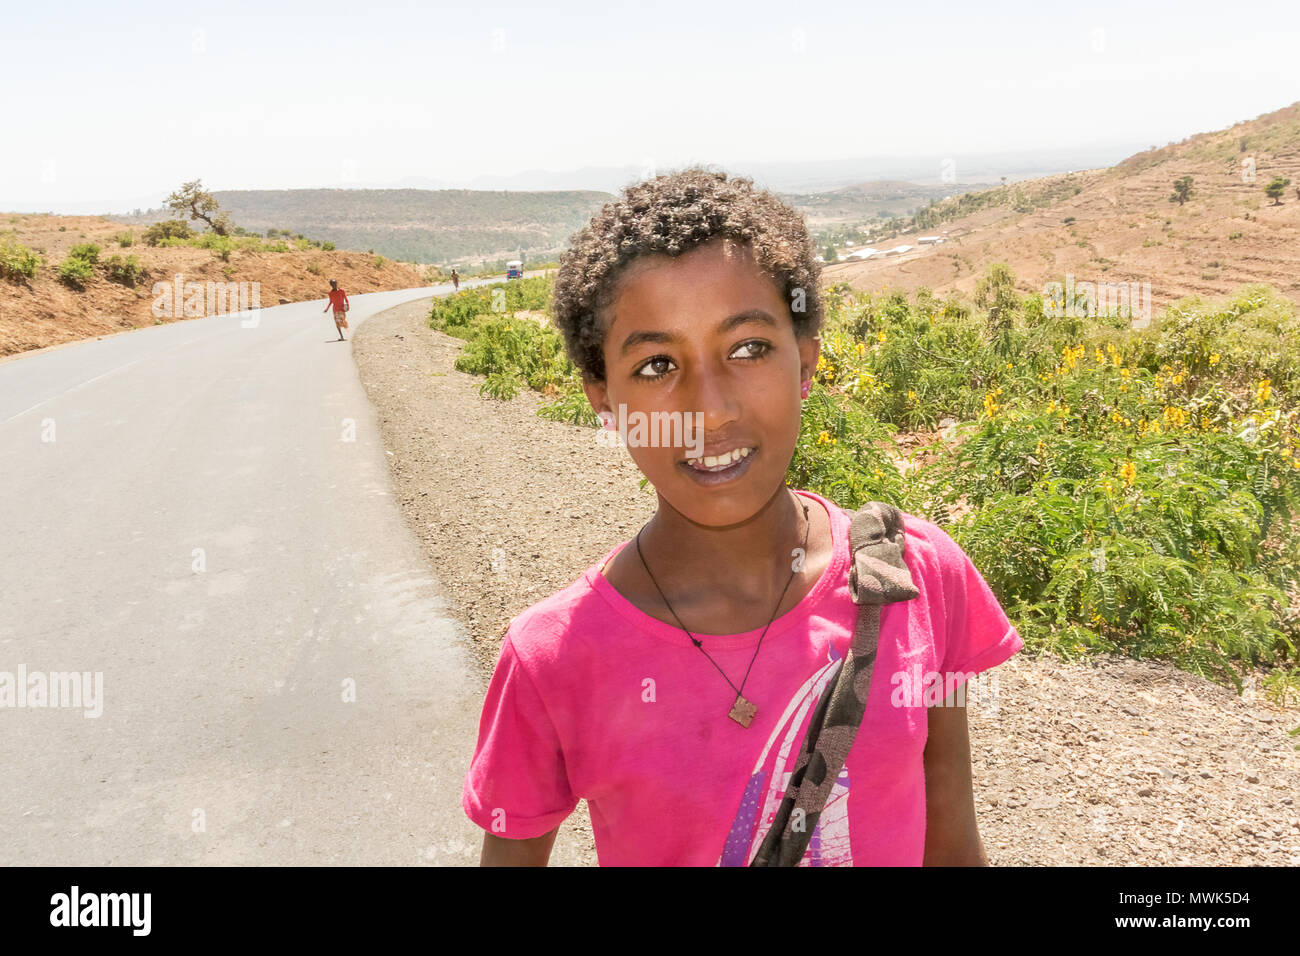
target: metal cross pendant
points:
(742, 711)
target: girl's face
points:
(706, 332)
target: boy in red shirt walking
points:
(339, 301)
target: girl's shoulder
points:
(543, 631)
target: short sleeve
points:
(977, 632)
(517, 787)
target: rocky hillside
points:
(46, 310)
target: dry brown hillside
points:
(1124, 227)
(45, 311)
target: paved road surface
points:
(200, 512)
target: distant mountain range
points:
(533, 214)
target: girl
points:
(671, 684)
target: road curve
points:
(199, 515)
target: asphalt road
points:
(199, 514)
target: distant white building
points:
(930, 240)
(898, 250)
(866, 252)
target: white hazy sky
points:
(125, 101)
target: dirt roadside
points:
(1107, 763)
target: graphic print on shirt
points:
(829, 844)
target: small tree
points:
(996, 291)
(1274, 189)
(1182, 190)
(167, 229)
(830, 255)
(201, 205)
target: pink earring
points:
(807, 384)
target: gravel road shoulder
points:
(1109, 762)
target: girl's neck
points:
(740, 562)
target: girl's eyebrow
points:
(726, 325)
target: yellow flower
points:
(881, 335)
(1110, 489)
(1263, 390)
(1286, 452)
(1214, 359)
(1008, 365)
(911, 395)
(1128, 471)
(823, 438)
(862, 349)
(879, 473)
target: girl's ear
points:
(809, 351)
(598, 395)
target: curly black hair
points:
(672, 214)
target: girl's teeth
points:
(720, 461)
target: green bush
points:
(126, 271)
(519, 347)
(125, 239)
(327, 246)
(87, 251)
(17, 262)
(76, 272)
(168, 229)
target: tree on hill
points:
(829, 254)
(201, 205)
(1182, 190)
(1274, 189)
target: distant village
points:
(867, 252)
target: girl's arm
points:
(498, 851)
(951, 834)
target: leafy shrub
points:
(87, 251)
(125, 239)
(76, 272)
(327, 246)
(126, 271)
(167, 229)
(17, 262)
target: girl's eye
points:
(654, 362)
(758, 346)
(763, 348)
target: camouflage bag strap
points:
(879, 576)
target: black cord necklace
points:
(742, 711)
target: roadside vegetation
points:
(1122, 490)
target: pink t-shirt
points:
(593, 698)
